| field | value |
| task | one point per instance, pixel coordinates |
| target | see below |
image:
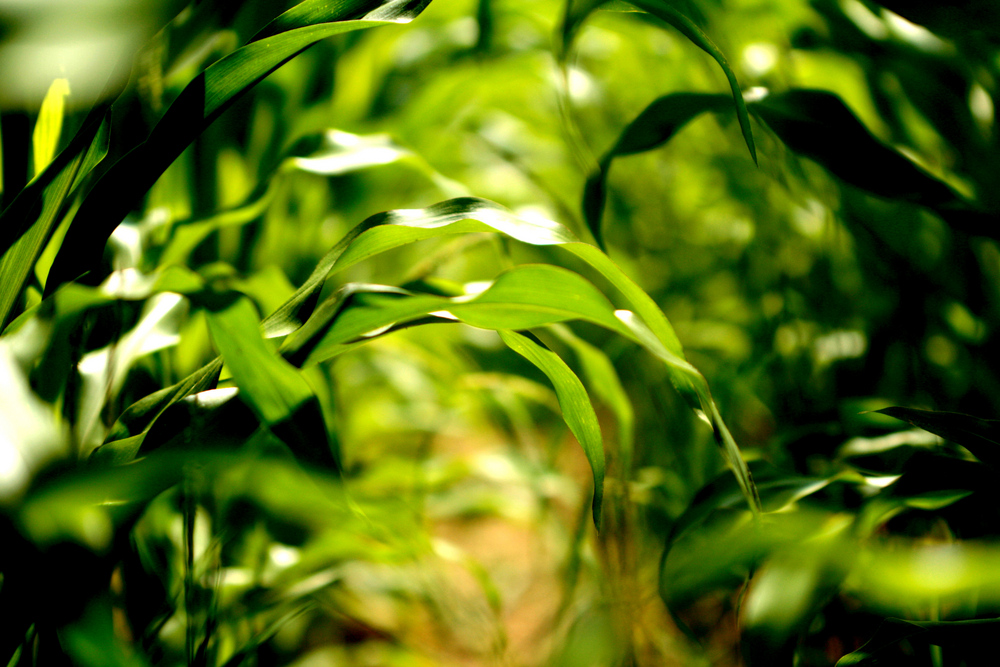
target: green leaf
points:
(26, 224)
(312, 12)
(199, 104)
(818, 125)
(513, 301)
(576, 13)
(662, 9)
(48, 127)
(653, 127)
(574, 403)
(392, 229)
(102, 372)
(277, 392)
(128, 432)
(979, 436)
(603, 381)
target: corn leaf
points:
(199, 104)
(646, 325)
(48, 128)
(27, 223)
(663, 10)
(277, 393)
(979, 436)
(653, 127)
(574, 403)
(603, 381)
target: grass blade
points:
(392, 229)
(45, 138)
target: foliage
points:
(284, 384)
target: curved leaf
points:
(974, 640)
(653, 127)
(687, 27)
(574, 403)
(818, 125)
(979, 436)
(392, 229)
(513, 301)
(603, 380)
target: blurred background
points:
(807, 290)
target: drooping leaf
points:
(979, 436)
(513, 301)
(576, 14)
(818, 125)
(574, 403)
(603, 381)
(392, 229)
(653, 127)
(202, 101)
(663, 10)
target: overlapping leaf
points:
(576, 14)
(653, 127)
(199, 104)
(277, 392)
(332, 326)
(979, 436)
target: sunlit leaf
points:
(27, 222)
(48, 127)
(199, 104)
(603, 381)
(392, 229)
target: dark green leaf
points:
(663, 10)
(818, 125)
(979, 436)
(653, 127)
(973, 640)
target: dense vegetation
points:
(364, 332)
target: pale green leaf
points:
(574, 403)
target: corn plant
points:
(246, 333)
